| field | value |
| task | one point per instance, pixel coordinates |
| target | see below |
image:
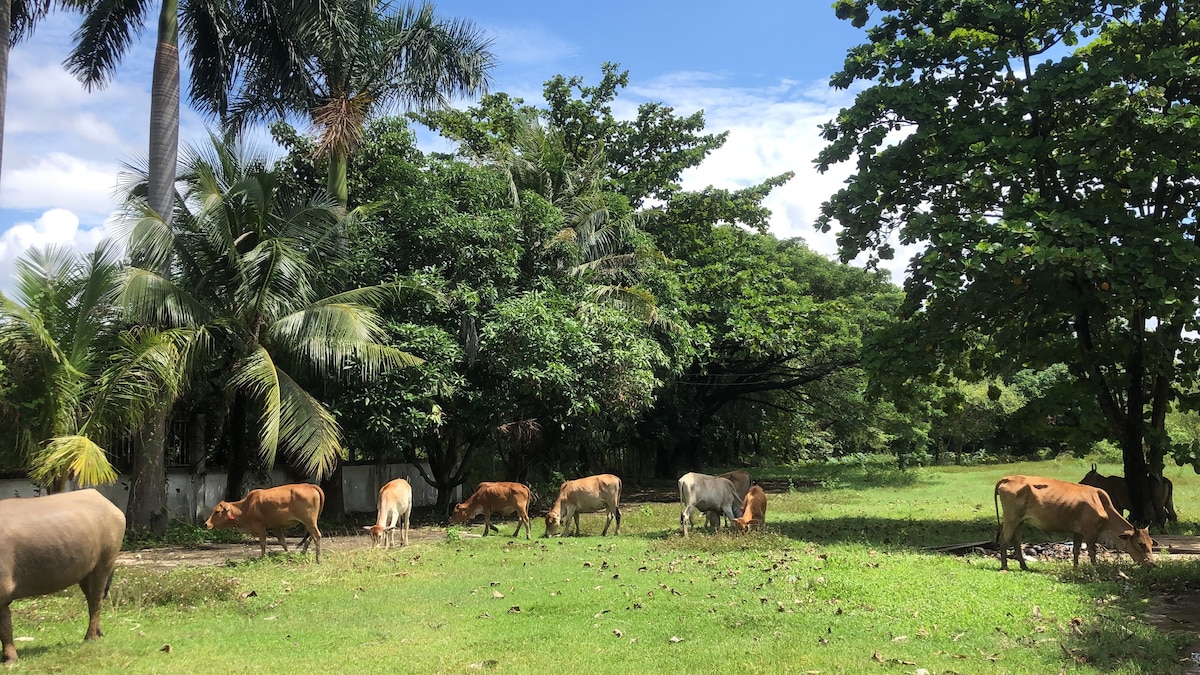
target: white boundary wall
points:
(191, 497)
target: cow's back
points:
(1054, 505)
(283, 506)
(741, 482)
(50, 543)
(396, 494)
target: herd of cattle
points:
(50, 543)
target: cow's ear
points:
(1125, 536)
(366, 527)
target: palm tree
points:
(64, 348)
(358, 59)
(246, 279)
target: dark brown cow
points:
(586, 495)
(1162, 494)
(1059, 506)
(496, 497)
(276, 508)
(49, 543)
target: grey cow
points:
(50, 543)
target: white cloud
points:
(56, 226)
(61, 181)
(772, 130)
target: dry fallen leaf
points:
(618, 633)
(877, 656)
(481, 665)
(674, 639)
(249, 594)
(165, 648)
(497, 594)
(515, 609)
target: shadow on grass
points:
(888, 532)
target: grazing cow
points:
(1060, 506)
(395, 508)
(1162, 494)
(586, 495)
(707, 493)
(499, 497)
(741, 485)
(754, 510)
(276, 508)
(49, 543)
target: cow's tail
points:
(996, 501)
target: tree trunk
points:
(147, 510)
(5, 46)
(239, 448)
(338, 187)
(164, 114)
(335, 494)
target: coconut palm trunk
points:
(5, 44)
(148, 486)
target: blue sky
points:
(758, 69)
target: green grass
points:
(839, 582)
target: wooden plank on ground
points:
(1177, 543)
(958, 548)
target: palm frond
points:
(72, 457)
(149, 297)
(257, 376)
(309, 435)
(146, 372)
(103, 37)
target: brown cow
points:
(754, 510)
(276, 508)
(1059, 506)
(395, 508)
(49, 543)
(1162, 494)
(498, 497)
(586, 495)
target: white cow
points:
(707, 493)
(395, 508)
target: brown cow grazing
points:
(395, 508)
(499, 497)
(1060, 506)
(1162, 494)
(276, 508)
(49, 543)
(586, 495)
(754, 510)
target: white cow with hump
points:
(395, 508)
(707, 493)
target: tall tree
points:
(341, 63)
(247, 278)
(101, 42)
(1055, 203)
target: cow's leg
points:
(1008, 537)
(404, 532)
(262, 542)
(1075, 550)
(617, 517)
(6, 635)
(683, 521)
(576, 517)
(93, 589)
(281, 534)
(487, 523)
(313, 533)
(608, 518)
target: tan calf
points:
(395, 509)
(586, 495)
(754, 510)
(1059, 506)
(499, 497)
(276, 508)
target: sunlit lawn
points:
(840, 582)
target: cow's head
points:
(376, 532)
(1139, 545)
(223, 517)
(462, 513)
(553, 523)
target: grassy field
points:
(839, 582)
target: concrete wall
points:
(192, 497)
